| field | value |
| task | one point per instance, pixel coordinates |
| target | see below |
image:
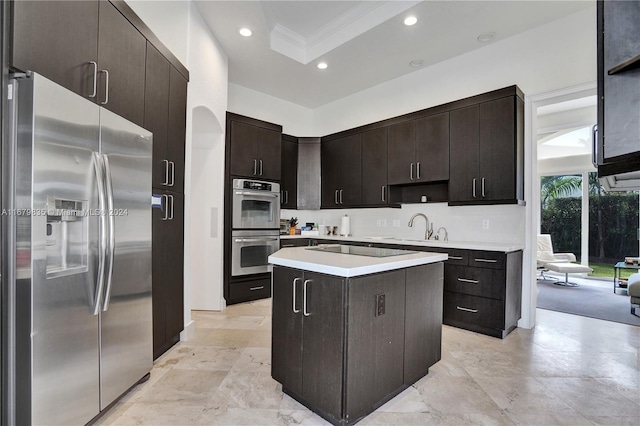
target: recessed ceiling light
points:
(410, 20)
(322, 65)
(245, 32)
(486, 36)
(416, 63)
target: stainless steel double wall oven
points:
(255, 220)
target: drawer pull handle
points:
(486, 260)
(455, 257)
(473, 311)
(466, 280)
(256, 288)
(287, 245)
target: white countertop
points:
(466, 245)
(348, 265)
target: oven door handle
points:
(258, 194)
(254, 240)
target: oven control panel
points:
(255, 185)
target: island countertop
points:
(348, 265)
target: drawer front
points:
(475, 281)
(250, 290)
(457, 257)
(473, 310)
(487, 259)
(294, 242)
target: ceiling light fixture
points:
(416, 63)
(410, 20)
(484, 37)
(245, 32)
(322, 65)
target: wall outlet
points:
(378, 222)
(383, 223)
(485, 223)
(396, 223)
(380, 304)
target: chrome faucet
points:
(446, 234)
(426, 231)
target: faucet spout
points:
(426, 231)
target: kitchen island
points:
(354, 326)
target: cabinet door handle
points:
(411, 171)
(260, 167)
(95, 79)
(295, 311)
(482, 187)
(383, 193)
(341, 196)
(455, 257)
(173, 173)
(460, 308)
(466, 280)
(166, 172)
(256, 288)
(304, 298)
(171, 214)
(336, 197)
(106, 87)
(286, 192)
(486, 260)
(594, 146)
(418, 170)
(255, 167)
(165, 197)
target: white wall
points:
(179, 25)
(295, 120)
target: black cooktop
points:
(361, 251)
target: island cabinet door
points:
(375, 340)
(423, 324)
(323, 342)
(286, 337)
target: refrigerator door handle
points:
(112, 234)
(102, 232)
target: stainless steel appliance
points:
(80, 223)
(250, 251)
(255, 204)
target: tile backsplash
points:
(500, 224)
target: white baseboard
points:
(188, 332)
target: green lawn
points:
(606, 270)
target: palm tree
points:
(552, 187)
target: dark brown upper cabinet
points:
(88, 47)
(341, 172)
(165, 115)
(289, 181)
(374, 167)
(486, 153)
(618, 139)
(121, 65)
(419, 150)
(58, 39)
(255, 148)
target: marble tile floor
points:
(569, 370)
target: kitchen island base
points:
(343, 346)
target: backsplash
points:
(500, 224)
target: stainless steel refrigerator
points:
(79, 218)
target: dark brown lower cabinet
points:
(337, 353)
(168, 271)
(485, 296)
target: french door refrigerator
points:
(79, 219)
